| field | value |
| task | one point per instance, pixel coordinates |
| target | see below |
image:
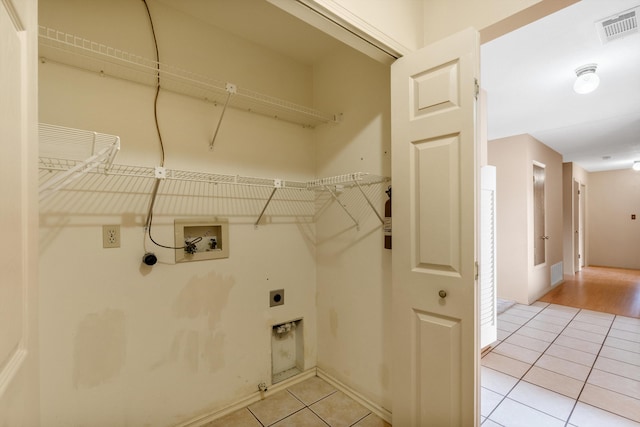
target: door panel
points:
(434, 297)
(437, 208)
(19, 393)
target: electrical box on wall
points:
(201, 239)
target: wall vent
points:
(618, 26)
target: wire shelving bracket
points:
(86, 150)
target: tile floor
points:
(561, 366)
(311, 403)
(551, 366)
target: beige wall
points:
(126, 344)
(354, 270)
(398, 20)
(514, 157)
(493, 18)
(613, 236)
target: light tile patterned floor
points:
(561, 366)
(311, 403)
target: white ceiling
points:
(529, 73)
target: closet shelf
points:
(78, 52)
(71, 153)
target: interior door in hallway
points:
(434, 296)
(576, 226)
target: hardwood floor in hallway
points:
(609, 290)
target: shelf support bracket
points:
(63, 179)
(277, 183)
(231, 89)
(369, 201)
(335, 197)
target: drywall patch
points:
(199, 306)
(204, 296)
(100, 348)
(192, 351)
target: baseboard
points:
(248, 400)
(373, 407)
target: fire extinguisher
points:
(387, 220)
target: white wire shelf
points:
(78, 52)
(71, 153)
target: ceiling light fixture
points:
(636, 165)
(587, 80)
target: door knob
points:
(545, 237)
(443, 294)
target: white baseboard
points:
(364, 401)
(248, 400)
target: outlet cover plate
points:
(111, 236)
(276, 297)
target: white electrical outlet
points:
(110, 236)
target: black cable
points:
(190, 245)
(155, 101)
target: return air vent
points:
(618, 26)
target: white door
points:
(434, 297)
(487, 273)
(18, 213)
(581, 221)
(576, 226)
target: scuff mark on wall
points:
(99, 348)
(204, 296)
(212, 351)
(333, 322)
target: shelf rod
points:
(369, 201)
(265, 206)
(335, 197)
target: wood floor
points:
(610, 290)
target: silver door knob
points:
(443, 294)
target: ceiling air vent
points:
(618, 26)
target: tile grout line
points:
(590, 370)
(532, 365)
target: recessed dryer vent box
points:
(202, 239)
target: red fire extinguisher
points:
(387, 221)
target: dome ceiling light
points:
(587, 80)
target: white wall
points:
(613, 236)
(513, 157)
(354, 269)
(126, 344)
